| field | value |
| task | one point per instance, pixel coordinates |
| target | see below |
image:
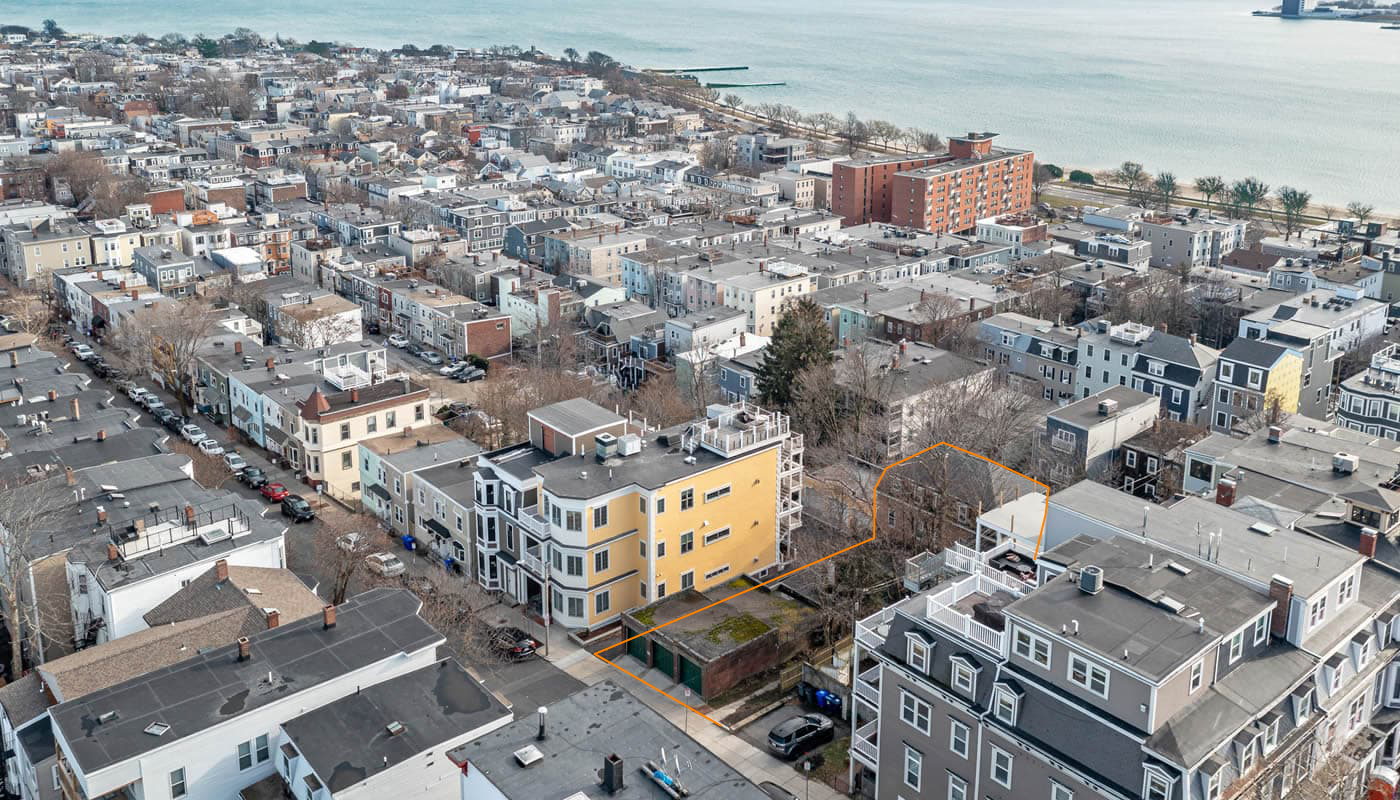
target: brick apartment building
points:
(975, 181)
(860, 189)
(944, 193)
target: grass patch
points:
(740, 584)
(646, 616)
(833, 761)
(741, 628)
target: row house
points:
(1036, 352)
(1369, 401)
(390, 470)
(633, 515)
(1254, 381)
(1177, 369)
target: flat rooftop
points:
(719, 629)
(584, 728)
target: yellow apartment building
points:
(596, 515)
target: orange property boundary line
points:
(873, 518)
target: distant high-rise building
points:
(1296, 8)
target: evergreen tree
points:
(802, 339)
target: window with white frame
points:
(1004, 705)
(1156, 786)
(1227, 371)
(958, 734)
(1032, 647)
(1346, 590)
(1261, 630)
(918, 654)
(964, 679)
(1001, 766)
(957, 787)
(178, 787)
(1130, 458)
(1213, 786)
(913, 768)
(1317, 612)
(1059, 791)
(1198, 671)
(1236, 646)
(915, 712)
(1087, 675)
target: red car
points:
(275, 492)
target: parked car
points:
(173, 422)
(296, 507)
(275, 492)
(398, 340)
(162, 414)
(793, 737)
(513, 644)
(384, 564)
(350, 542)
(193, 434)
(136, 393)
(453, 368)
(471, 374)
(83, 352)
(430, 357)
(152, 403)
(209, 447)
(235, 463)
(253, 477)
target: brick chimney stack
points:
(1225, 492)
(113, 553)
(1281, 592)
(245, 649)
(1367, 545)
(189, 515)
(77, 412)
(221, 570)
(274, 618)
(70, 476)
(328, 617)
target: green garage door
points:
(690, 675)
(663, 659)
(637, 648)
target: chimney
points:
(221, 570)
(245, 649)
(101, 515)
(327, 617)
(102, 435)
(271, 364)
(741, 338)
(1195, 339)
(1281, 592)
(189, 515)
(113, 554)
(52, 395)
(77, 412)
(135, 294)
(1275, 433)
(274, 618)
(14, 359)
(1225, 492)
(612, 773)
(1367, 545)
(238, 348)
(70, 476)
(354, 395)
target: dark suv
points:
(793, 737)
(296, 507)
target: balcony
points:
(868, 686)
(347, 376)
(953, 606)
(533, 560)
(531, 521)
(738, 428)
(871, 631)
(864, 747)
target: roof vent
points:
(1345, 463)
(394, 728)
(1108, 408)
(1263, 528)
(1091, 579)
(157, 728)
(106, 717)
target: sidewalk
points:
(755, 764)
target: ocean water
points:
(1191, 86)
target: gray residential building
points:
(1035, 353)
(1370, 400)
(1184, 243)
(1132, 665)
(1177, 369)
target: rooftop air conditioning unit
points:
(1345, 463)
(1091, 579)
(1108, 408)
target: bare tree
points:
(853, 132)
(1362, 212)
(1040, 178)
(209, 471)
(883, 131)
(1294, 203)
(1138, 181)
(734, 101)
(163, 341)
(341, 555)
(27, 507)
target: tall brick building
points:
(943, 193)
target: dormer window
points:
(1156, 785)
(1005, 704)
(964, 675)
(918, 654)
